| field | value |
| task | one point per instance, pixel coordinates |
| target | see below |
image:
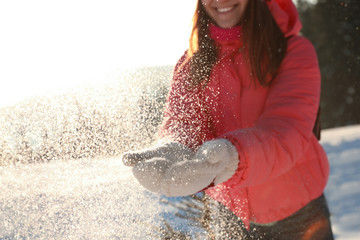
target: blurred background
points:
(333, 26)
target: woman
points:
(238, 123)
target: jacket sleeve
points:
(185, 116)
(283, 132)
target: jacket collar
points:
(225, 35)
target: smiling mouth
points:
(225, 10)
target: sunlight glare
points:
(49, 45)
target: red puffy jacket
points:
(282, 166)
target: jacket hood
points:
(286, 16)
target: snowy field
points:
(99, 199)
(343, 190)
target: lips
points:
(226, 9)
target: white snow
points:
(343, 190)
(87, 199)
(99, 199)
(336, 136)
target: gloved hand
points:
(149, 165)
(214, 162)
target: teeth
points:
(222, 10)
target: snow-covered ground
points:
(87, 199)
(343, 190)
(99, 199)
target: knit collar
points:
(224, 34)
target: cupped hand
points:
(214, 162)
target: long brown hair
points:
(265, 44)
